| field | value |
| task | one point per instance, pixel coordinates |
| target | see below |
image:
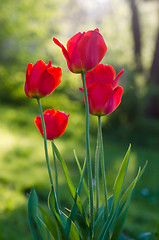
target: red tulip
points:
(55, 123)
(41, 79)
(103, 95)
(84, 51)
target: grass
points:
(23, 165)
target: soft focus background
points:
(131, 31)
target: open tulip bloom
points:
(84, 51)
(86, 220)
(103, 94)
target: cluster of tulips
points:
(102, 95)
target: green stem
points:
(45, 142)
(46, 154)
(103, 165)
(89, 168)
(56, 172)
(97, 172)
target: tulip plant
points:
(86, 219)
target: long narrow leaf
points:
(73, 212)
(117, 191)
(62, 219)
(38, 228)
(119, 182)
(124, 205)
(50, 222)
(100, 221)
(71, 187)
(124, 209)
(74, 208)
(80, 170)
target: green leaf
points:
(50, 222)
(38, 227)
(119, 182)
(62, 220)
(74, 208)
(56, 212)
(71, 187)
(73, 212)
(124, 205)
(100, 221)
(79, 167)
(117, 191)
(123, 209)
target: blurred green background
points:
(131, 31)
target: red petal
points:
(49, 80)
(62, 120)
(56, 72)
(28, 72)
(35, 75)
(98, 94)
(116, 81)
(38, 124)
(91, 49)
(65, 53)
(101, 74)
(50, 111)
(72, 49)
(114, 100)
(26, 89)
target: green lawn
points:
(22, 166)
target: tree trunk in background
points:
(136, 34)
(153, 100)
(154, 71)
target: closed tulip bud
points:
(104, 96)
(41, 79)
(84, 51)
(55, 123)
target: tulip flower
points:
(41, 79)
(84, 51)
(55, 123)
(104, 96)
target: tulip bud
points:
(41, 79)
(55, 123)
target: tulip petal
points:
(65, 53)
(72, 49)
(28, 71)
(116, 81)
(38, 124)
(49, 80)
(62, 120)
(91, 49)
(36, 72)
(56, 72)
(104, 74)
(26, 89)
(98, 95)
(50, 111)
(101, 74)
(114, 100)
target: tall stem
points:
(97, 171)
(89, 168)
(103, 165)
(46, 154)
(56, 172)
(45, 142)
